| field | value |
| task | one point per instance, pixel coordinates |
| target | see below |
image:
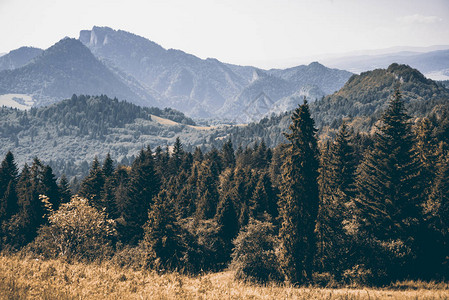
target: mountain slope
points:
(202, 88)
(70, 133)
(18, 58)
(367, 94)
(183, 81)
(64, 69)
(361, 102)
(328, 80)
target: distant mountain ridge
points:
(123, 65)
(18, 58)
(434, 64)
(360, 102)
(200, 87)
(64, 69)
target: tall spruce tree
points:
(92, 186)
(64, 189)
(108, 166)
(337, 177)
(390, 195)
(436, 261)
(144, 185)
(163, 235)
(8, 182)
(299, 198)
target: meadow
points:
(30, 278)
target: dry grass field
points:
(27, 278)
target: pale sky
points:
(264, 33)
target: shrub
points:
(76, 230)
(254, 258)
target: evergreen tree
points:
(299, 198)
(198, 155)
(50, 187)
(263, 200)
(337, 173)
(8, 173)
(175, 161)
(208, 186)
(92, 186)
(163, 236)
(144, 185)
(390, 194)
(64, 189)
(227, 155)
(108, 166)
(436, 251)
(8, 182)
(228, 224)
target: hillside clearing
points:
(27, 278)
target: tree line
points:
(363, 208)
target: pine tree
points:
(163, 236)
(227, 155)
(8, 173)
(108, 166)
(92, 186)
(144, 185)
(299, 198)
(228, 224)
(8, 182)
(64, 189)
(208, 186)
(436, 252)
(175, 161)
(50, 187)
(390, 192)
(337, 173)
(263, 200)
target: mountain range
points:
(83, 127)
(129, 67)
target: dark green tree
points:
(299, 198)
(228, 226)
(64, 189)
(337, 177)
(8, 182)
(163, 236)
(144, 184)
(92, 186)
(390, 195)
(108, 166)
(436, 252)
(227, 155)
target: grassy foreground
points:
(27, 278)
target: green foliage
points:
(299, 198)
(253, 257)
(163, 236)
(390, 193)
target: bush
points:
(254, 258)
(75, 230)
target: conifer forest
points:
(361, 208)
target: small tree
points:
(254, 257)
(163, 236)
(76, 230)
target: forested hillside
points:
(68, 134)
(350, 210)
(360, 102)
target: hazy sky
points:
(266, 33)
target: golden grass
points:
(27, 278)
